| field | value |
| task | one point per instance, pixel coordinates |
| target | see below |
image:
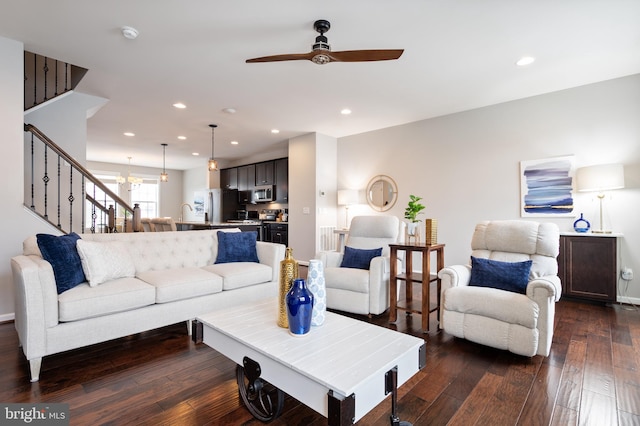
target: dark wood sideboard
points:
(588, 266)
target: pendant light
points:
(164, 177)
(213, 164)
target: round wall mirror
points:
(382, 193)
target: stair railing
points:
(67, 179)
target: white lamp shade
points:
(347, 197)
(602, 177)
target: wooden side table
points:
(410, 277)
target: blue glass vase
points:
(581, 225)
(299, 308)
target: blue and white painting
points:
(547, 187)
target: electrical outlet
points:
(626, 274)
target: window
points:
(146, 196)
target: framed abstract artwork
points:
(546, 187)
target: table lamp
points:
(347, 197)
(600, 178)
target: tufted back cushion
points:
(369, 232)
(519, 240)
(165, 250)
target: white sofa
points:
(175, 279)
(520, 323)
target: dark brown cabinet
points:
(279, 233)
(587, 267)
(264, 173)
(282, 180)
(246, 177)
(229, 178)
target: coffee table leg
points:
(391, 383)
(263, 400)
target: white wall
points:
(466, 165)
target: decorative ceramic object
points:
(288, 272)
(315, 283)
(582, 224)
(299, 308)
(431, 235)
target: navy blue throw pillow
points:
(359, 258)
(61, 253)
(509, 276)
(237, 247)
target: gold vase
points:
(288, 272)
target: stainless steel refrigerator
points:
(222, 205)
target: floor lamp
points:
(347, 197)
(600, 178)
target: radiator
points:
(327, 238)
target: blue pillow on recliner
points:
(509, 276)
(359, 258)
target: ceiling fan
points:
(321, 51)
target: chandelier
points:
(213, 164)
(133, 180)
(164, 177)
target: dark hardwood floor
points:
(592, 377)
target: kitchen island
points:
(244, 226)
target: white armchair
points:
(519, 323)
(356, 290)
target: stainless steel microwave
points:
(263, 194)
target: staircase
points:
(58, 188)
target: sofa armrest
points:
(271, 254)
(455, 275)
(545, 287)
(36, 302)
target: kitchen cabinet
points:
(282, 180)
(264, 173)
(587, 266)
(229, 178)
(278, 233)
(246, 177)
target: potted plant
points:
(411, 212)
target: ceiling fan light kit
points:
(321, 51)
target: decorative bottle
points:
(288, 272)
(299, 308)
(581, 225)
(315, 284)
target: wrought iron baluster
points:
(58, 183)
(55, 93)
(45, 179)
(46, 72)
(84, 203)
(71, 198)
(35, 80)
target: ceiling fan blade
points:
(365, 55)
(276, 58)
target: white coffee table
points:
(341, 369)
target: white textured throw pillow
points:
(104, 261)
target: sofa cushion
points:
(237, 247)
(347, 279)
(61, 253)
(505, 306)
(241, 274)
(181, 283)
(123, 294)
(359, 258)
(509, 276)
(105, 261)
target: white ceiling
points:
(458, 55)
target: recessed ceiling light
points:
(129, 134)
(525, 60)
(345, 111)
(195, 153)
(275, 131)
(182, 138)
(179, 105)
(229, 110)
(234, 142)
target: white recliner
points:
(519, 323)
(362, 291)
